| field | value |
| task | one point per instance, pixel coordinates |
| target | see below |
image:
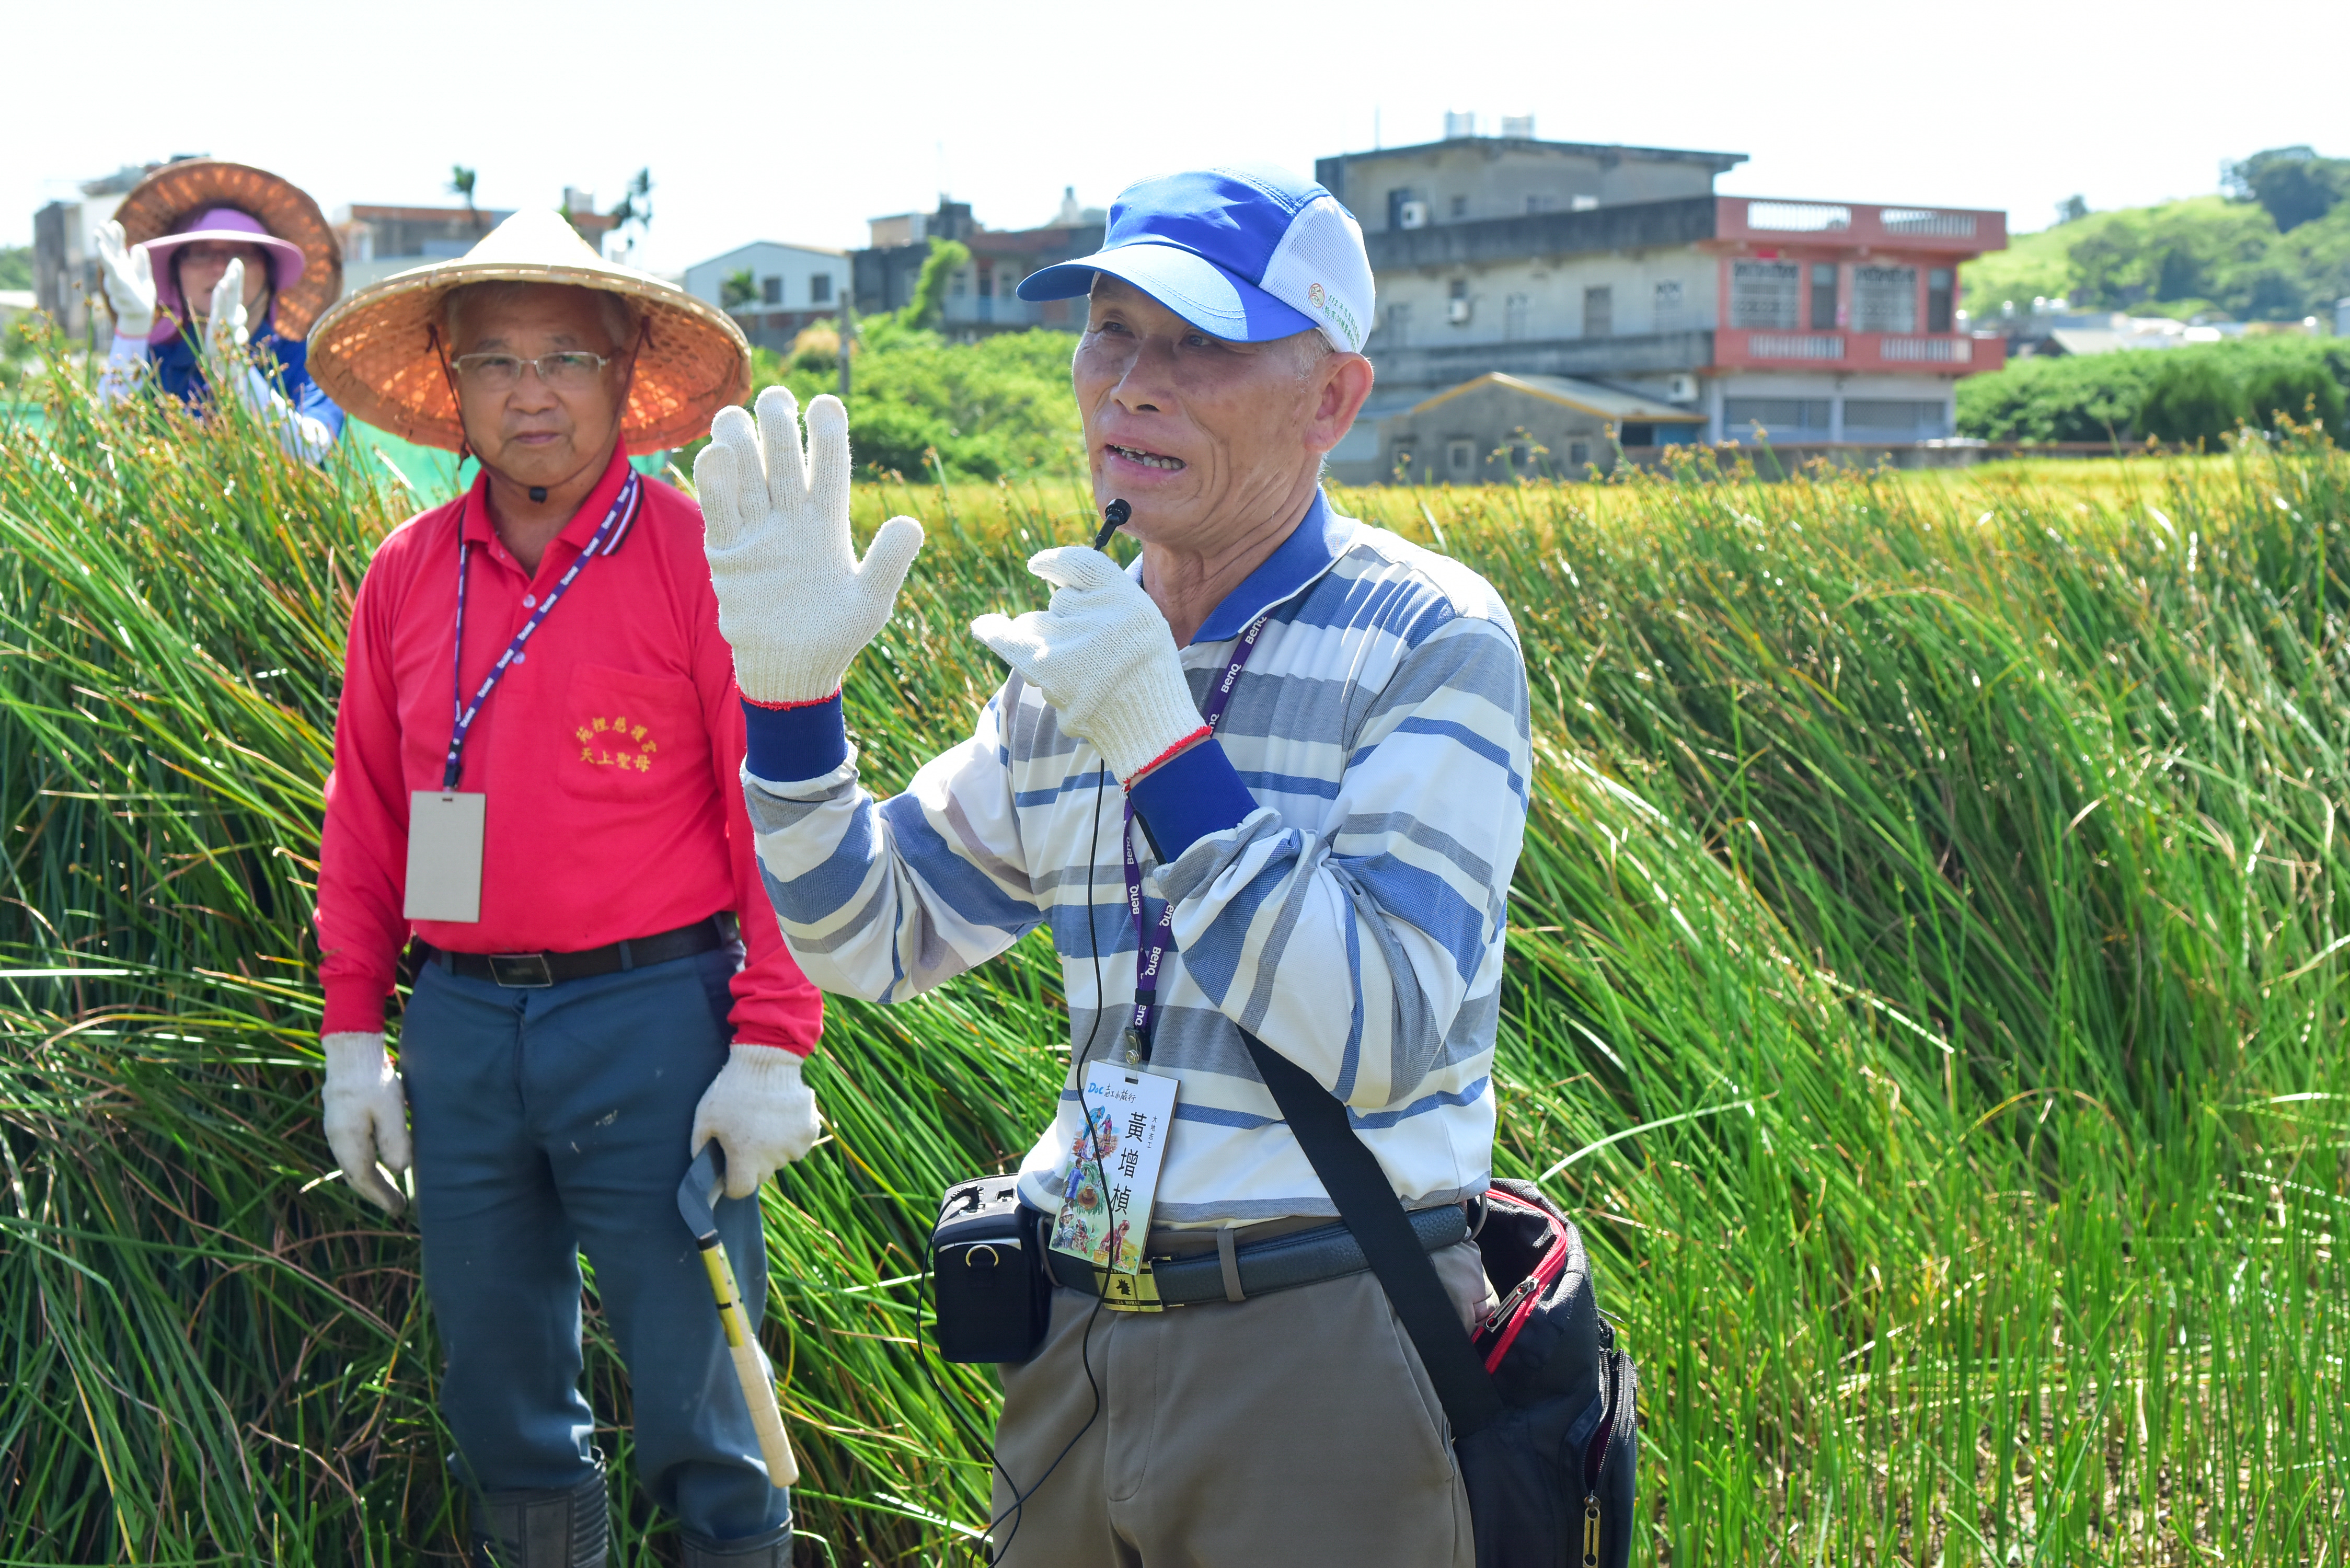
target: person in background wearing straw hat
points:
(213, 271)
(535, 785)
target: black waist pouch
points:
(988, 1273)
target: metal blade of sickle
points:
(695, 1195)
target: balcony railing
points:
(1734, 346)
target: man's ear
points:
(1345, 384)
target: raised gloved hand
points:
(129, 276)
(793, 598)
(1104, 658)
(228, 326)
(760, 1113)
(367, 1116)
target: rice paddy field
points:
(1929, 969)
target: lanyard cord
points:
(624, 507)
(1150, 954)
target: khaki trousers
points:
(1295, 1428)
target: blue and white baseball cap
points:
(1246, 253)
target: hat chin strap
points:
(464, 441)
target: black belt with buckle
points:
(534, 971)
(1234, 1274)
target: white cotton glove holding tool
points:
(129, 273)
(1104, 658)
(794, 600)
(228, 326)
(367, 1116)
(760, 1113)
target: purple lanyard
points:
(624, 506)
(1150, 955)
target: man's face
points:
(202, 265)
(530, 431)
(1193, 430)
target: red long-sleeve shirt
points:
(610, 754)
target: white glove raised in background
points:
(228, 326)
(760, 1113)
(1104, 658)
(367, 1116)
(792, 599)
(129, 276)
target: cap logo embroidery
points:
(1313, 295)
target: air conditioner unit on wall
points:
(1458, 312)
(1414, 215)
(1680, 388)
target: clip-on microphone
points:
(1114, 516)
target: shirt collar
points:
(1313, 546)
(476, 529)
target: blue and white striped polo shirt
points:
(1354, 922)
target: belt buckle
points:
(521, 972)
(1129, 1293)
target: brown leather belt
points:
(534, 971)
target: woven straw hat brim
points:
(177, 192)
(374, 353)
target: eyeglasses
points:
(568, 371)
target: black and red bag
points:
(1543, 1403)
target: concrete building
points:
(1813, 320)
(980, 298)
(1501, 427)
(791, 286)
(381, 241)
(66, 284)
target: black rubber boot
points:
(769, 1549)
(567, 1528)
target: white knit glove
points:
(760, 1113)
(793, 598)
(228, 327)
(1104, 658)
(367, 1116)
(129, 278)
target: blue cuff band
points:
(1183, 801)
(785, 745)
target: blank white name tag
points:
(444, 855)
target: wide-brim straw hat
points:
(162, 204)
(379, 353)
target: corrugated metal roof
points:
(1586, 396)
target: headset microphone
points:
(1114, 516)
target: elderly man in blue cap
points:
(1320, 732)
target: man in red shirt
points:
(557, 823)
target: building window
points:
(1937, 299)
(1885, 299)
(1765, 295)
(1459, 208)
(1456, 304)
(820, 289)
(960, 286)
(1896, 419)
(1578, 456)
(1522, 457)
(1776, 418)
(1460, 457)
(1668, 305)
(1637, 435)
(771, 291)
(1399, 327)
(1599, 311)
(1517, 311)
(1823, 296)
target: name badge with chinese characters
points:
(1114, 1171)
(444, 855)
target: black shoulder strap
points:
(1350, 1173)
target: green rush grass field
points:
(1930, 964)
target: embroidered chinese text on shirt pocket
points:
(626, 734)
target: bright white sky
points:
(796, 122)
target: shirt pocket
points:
(629, 736)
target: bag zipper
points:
(1546, 1270)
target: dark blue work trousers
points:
(555, 1120)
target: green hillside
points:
(2276, 248)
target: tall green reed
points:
(1923, 988)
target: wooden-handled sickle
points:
(695, 1196)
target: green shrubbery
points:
(2186, 395)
